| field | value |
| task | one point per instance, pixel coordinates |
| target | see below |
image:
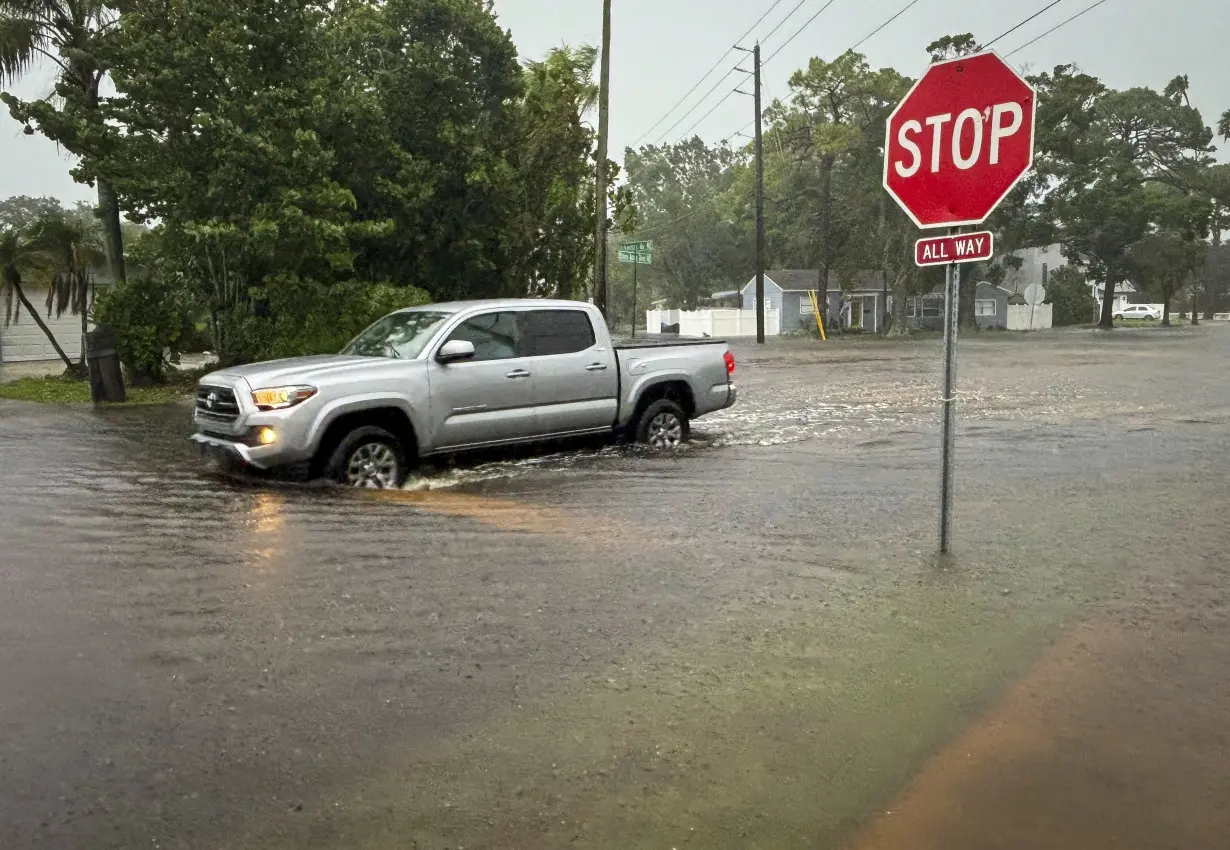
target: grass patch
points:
(61, 390)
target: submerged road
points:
(746, 644)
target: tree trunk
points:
(85, 328)
(1108, 304)
(1210, 307)
(113, 236)
(1166, 311)
(900, 324)
(826, 202)
(38, 320)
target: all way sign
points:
(942, 250)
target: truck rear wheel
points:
(663, 425)
(369, 457)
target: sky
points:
(661, 48)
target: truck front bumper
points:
(242, 454)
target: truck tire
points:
(369, 457)
(663, 425)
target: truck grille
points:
(217, 403)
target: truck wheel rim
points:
(665, 431)
(373, 466)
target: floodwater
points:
(748, 643)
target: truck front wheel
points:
(663, 425)
(369, 457)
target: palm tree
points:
(64, 32)
(72, 247)
(20, 259)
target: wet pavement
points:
(744, 644)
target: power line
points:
(861, 42)
(876, 31)
(726, 76)
(688, 132)
(799, 31)
(706, 75)
(1056, 27)
(699, 103)
(789, 15)
(913, 3)
(1036, 14)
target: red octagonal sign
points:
(959, 141)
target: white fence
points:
(1022, 317)
(714, 323)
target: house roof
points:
(795, 280)
(805, 280)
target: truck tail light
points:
(730, 363)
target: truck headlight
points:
(280, 398)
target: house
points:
(861, 307)
(1036, 266)
(22, 340)
(926, 312)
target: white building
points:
(22, 340)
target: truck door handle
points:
(517, 373)
(596, 367)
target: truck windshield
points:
(398, 335)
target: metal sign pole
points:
(634, 267)
(952, 302)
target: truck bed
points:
(665, 341)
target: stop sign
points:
(959, 141)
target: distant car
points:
(1139, 311)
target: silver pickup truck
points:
(448, 378)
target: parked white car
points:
(1139, 311)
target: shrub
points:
(148, 319)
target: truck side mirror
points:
(455, 350)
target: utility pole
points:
(601, 295)
(759, 146)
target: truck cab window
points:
(495, 336)
(559, 332)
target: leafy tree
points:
(552, 209)
(1213, 277)
(21, 212)
(953, 47)
(679, 194)
(1162, 263)
(67, 34)
(835, 129)
(218, 130)
(1104, 146)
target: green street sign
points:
(636, 253)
